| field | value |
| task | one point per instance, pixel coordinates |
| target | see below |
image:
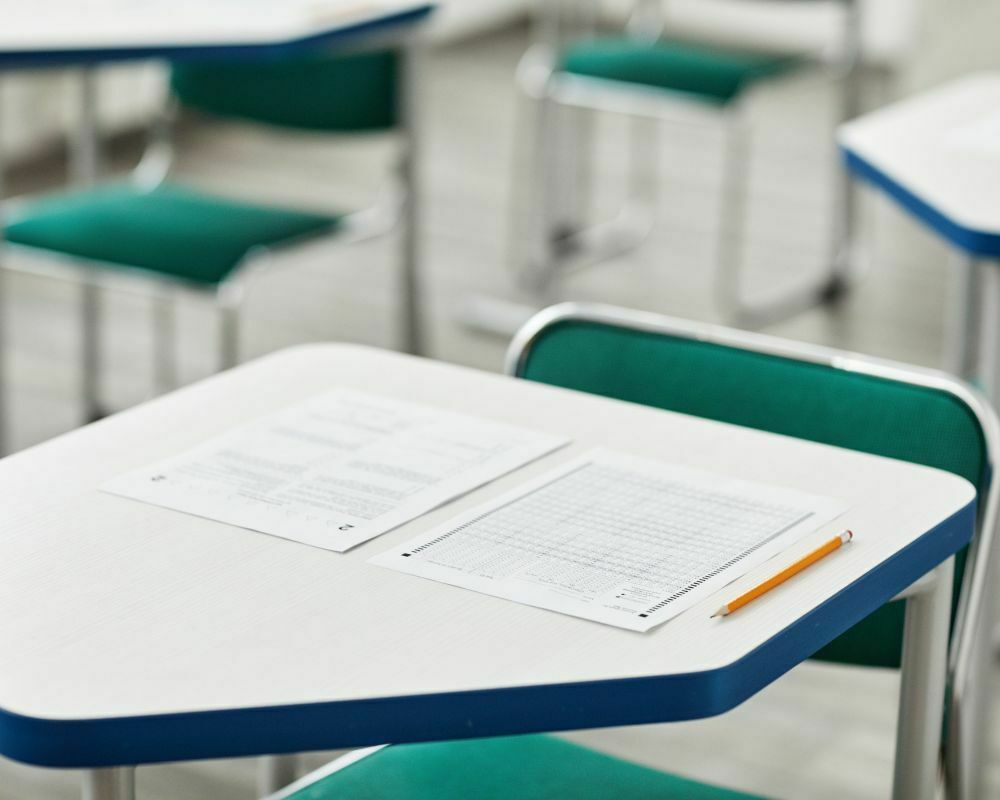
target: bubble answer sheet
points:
(616, 539)
(336, 470)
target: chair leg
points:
(845, 195)
(164, 343)
(731, 241)
(276, 772)
(229, 334)
(544, 252)
(987, 333)
(4, 406)
(90, 352)
(963, 323)
(922, 688)
(732, 218)
(111, 783)
(412, 301)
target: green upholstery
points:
(320, 93)
(708, 72)
(171, 231)
(511, 768)
(781, 395)
(197, 237)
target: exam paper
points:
(614, 538)
(338, 469)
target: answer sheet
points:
(338, 469)
(616, 539)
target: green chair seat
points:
(509, 768)
(170, 230)
(709, 73)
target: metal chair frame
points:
(562, 243)
(967, 697)
(153, 168)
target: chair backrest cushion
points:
(348, 93)
(779, 394)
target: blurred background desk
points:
(193, 240)
(937, 155)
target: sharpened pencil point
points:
(722, 612)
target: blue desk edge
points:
(983, 244)
(14, 59)
(470, 714)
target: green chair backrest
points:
(775, 393)
(346, 93)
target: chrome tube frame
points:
(85, 167)
(274, 773)
(4, 404)
(108, 783)
(967, 699)
(562, 246)
(964, 317)
(409, 171)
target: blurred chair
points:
(757, 382)
(167, 235)
(650, 78)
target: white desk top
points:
(941, 147)
(59, 26)
(113, 608)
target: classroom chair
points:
(759, 382)
(650, 78)
(168, 235)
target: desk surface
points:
(135, 634)
(938, 155)
(58, 31)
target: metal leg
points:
(164, 345)
(229, 334)
(90, 351)
(3, 317)
(731, 232)
(111, 783)
(411, 301)
(922, 689)
(732, 216)
(546, 236)
(845, 195)
(276, 772)
(962, 338)
(85, 165)
(988, 333)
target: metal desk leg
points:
(274, 773)
(987, 332)
(3, 316)
(962, 339)
(229, 334)
(411, 300)
(922, 688)
(85, 158)
(110, 783)
(164, 342)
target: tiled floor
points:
(820, 732)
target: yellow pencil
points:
(825, 550)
